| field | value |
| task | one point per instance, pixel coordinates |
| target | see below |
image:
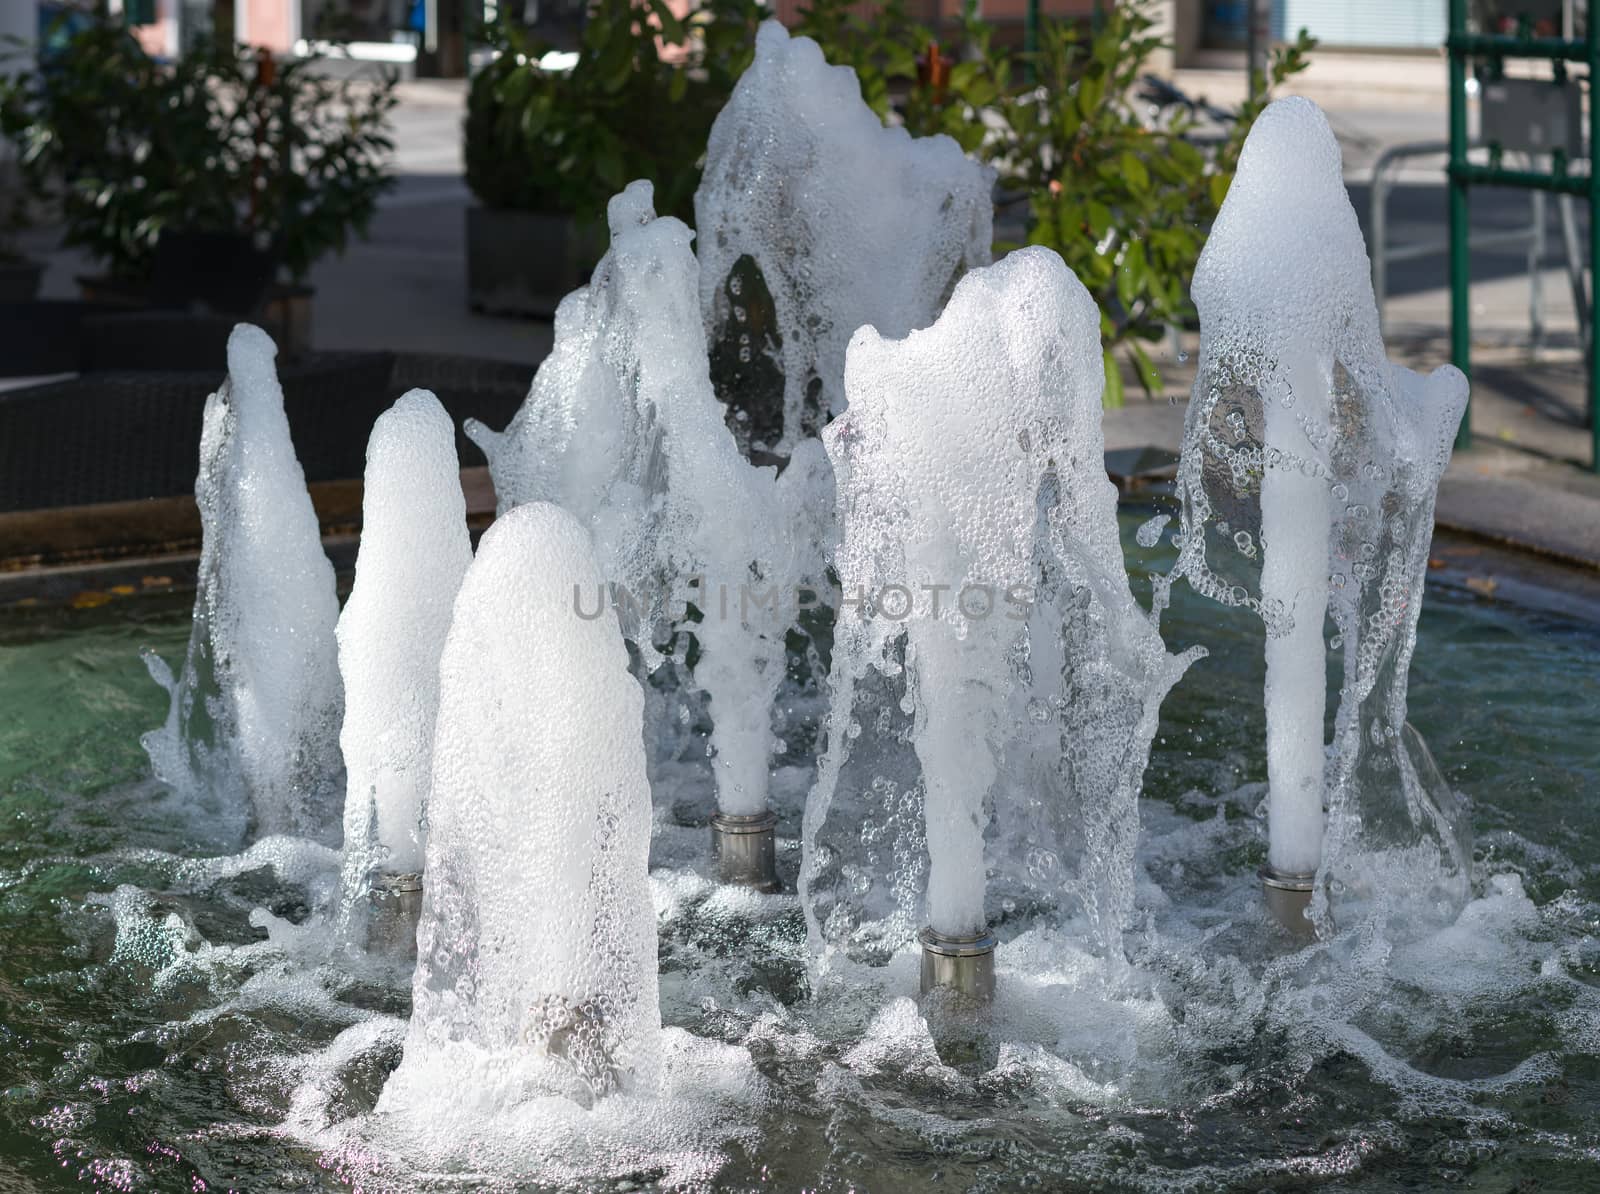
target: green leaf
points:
(672, 30)
(1134, 171)
(1133, 266)
(1127, 283)
(1112, 398)
(1149, 375)
(1217, 188)
(534, 118)
(614, 64)
(1099, 219)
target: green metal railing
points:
(1463, 46)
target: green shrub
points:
(567, 141)
(127, 146)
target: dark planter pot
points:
(525, 262)
(105, 290)
(284, 312)
(19, 280)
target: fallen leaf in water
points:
(90, 598)
(124, 590)
(1435, 562)
(1484, 585)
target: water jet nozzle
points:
(746, 849)
(1288, 896)
(396, 906)
(964, 965)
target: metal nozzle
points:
(396, 906)
(746, 849)
(964, 965)
(1288, 896)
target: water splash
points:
(622, 429)
(1308, 475)
(536, 968)
(254, 719)
(414, 552)
(993, 677)
(848, 222)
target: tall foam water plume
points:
(622, 429)
(414, 551)
(536, 960)
(846, 222)
(1309, 471)
(253, 727)
(991, 669)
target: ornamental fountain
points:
(970, 812)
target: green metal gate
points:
(1496, 49)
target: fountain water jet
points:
(536, 966)
(848, 222)
(974, 440)
(414, 551)
(970, 454)
(622, 428)
(1309, 456)
(254, 717)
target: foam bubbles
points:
(536, 967)
(535, 1044)
(255, 715)
(1308, 476)
(414, 552)
(987, 621)
(848, 222)
(623, 430)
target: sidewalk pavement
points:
(1524, 482)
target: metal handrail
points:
(1533, 235)
(1463, 45)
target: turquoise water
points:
(153, 1038)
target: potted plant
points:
(550, 138)
(276, 160)
(19, 274)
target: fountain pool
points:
(152, 1036)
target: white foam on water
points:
(414, 551)
(849, 222)
(255, 715)
(294, 860)
(1309, 470)
(1212, 1011)
(677, 1138)
(537, 905)
(535, 1043)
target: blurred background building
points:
(428, 36)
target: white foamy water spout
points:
(536, 954)
(848, 222)
(1310, 466)
(414, 551)
(983, 584)
(622, 429)
(255, 715)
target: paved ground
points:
(1526, 481)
